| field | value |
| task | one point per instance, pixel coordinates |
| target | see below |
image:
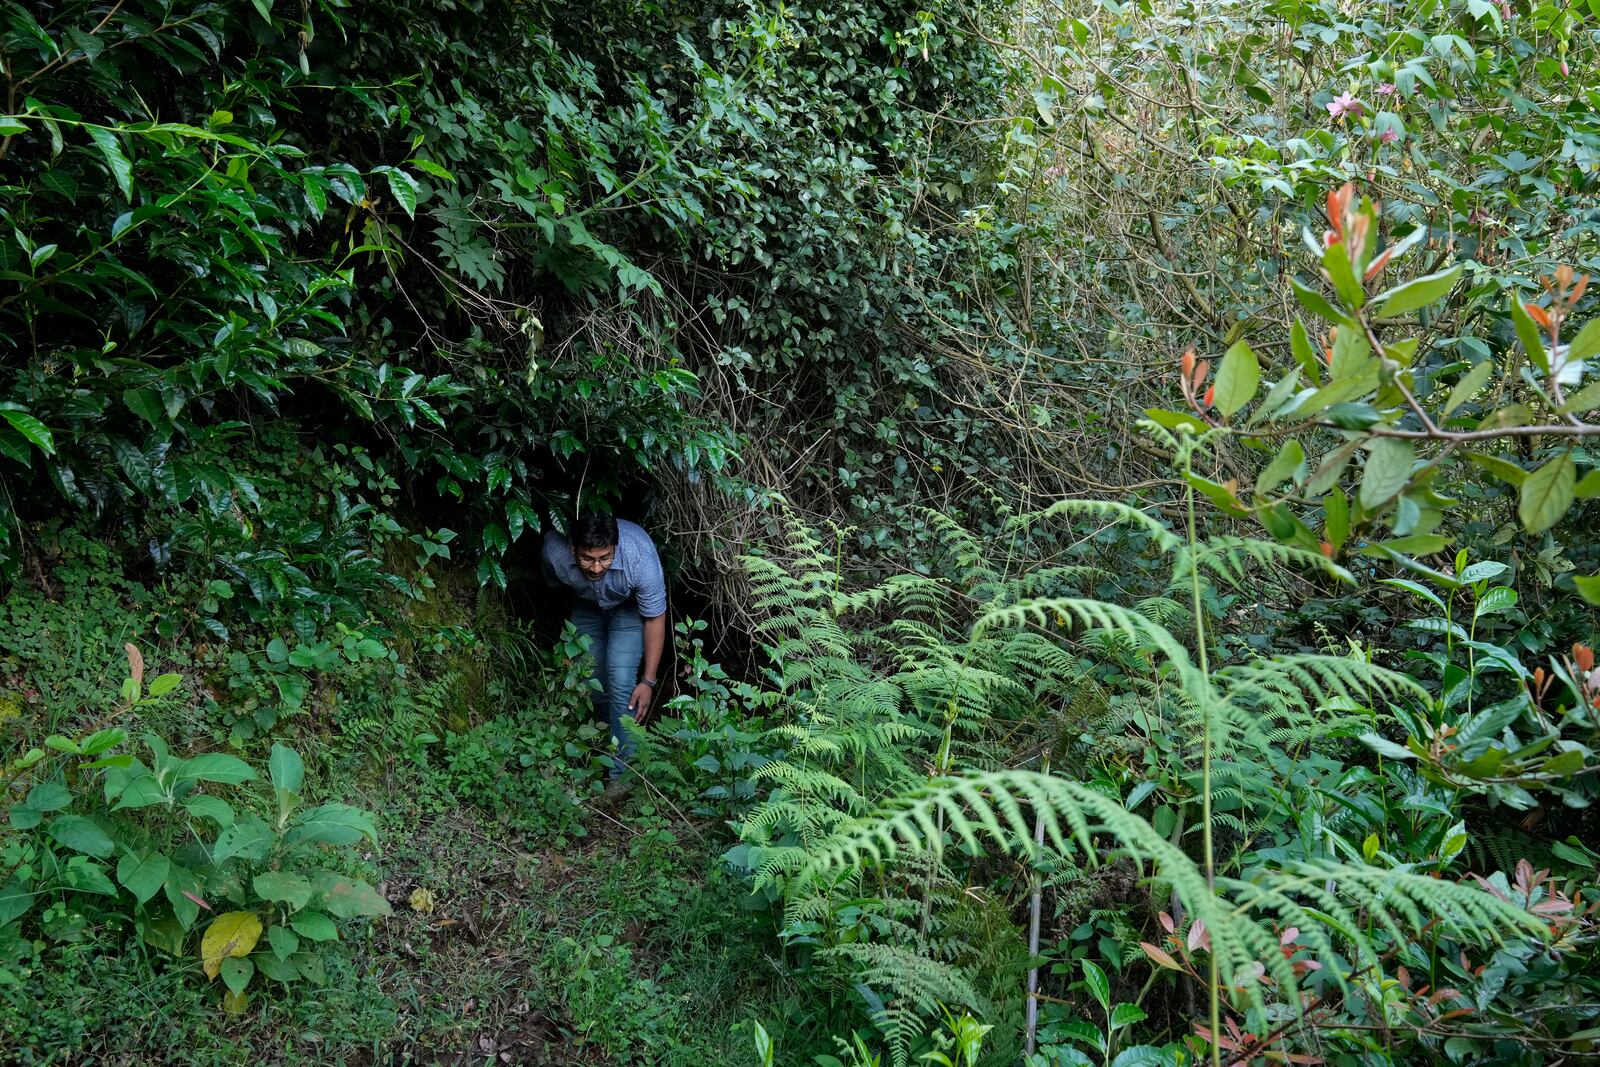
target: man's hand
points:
(639, 703)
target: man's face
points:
(594, 562)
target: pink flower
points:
(1389, 136)
(1344, 104)
(1565, 72)
(1386, 89)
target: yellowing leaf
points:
(232, 935)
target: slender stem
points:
(1034, 907)
(1214, 982)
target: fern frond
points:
(1114, 510)
(977, 807)
(1230, 559)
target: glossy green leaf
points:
(34, 431)
(1528, 333)
(1237, 379)
(1174, 420)
(1291, 458)
(1387, 470)
(1419, 292)
(1583, 401)
(1469, 385)
(1317, 304)
(1095, 980)
(1547, 494)
(1586, 345)
(116, 160)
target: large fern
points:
(900, 719)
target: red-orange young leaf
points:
(1160, 956)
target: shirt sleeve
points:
(551, 540)
(650, 585)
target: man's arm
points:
(655, 639)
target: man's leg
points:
(593, 624)
(625, 641)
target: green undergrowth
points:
(526, 923)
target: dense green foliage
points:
(1136, 461)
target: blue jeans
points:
(616, 640)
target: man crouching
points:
(613, 568)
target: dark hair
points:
(594, 530)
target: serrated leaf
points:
(1495, 600)
(230, 936)
(1547, 494)
(1126, 1015)
(1388, 469)
(164, 684)
(146, 403)
(1237, 379)
(404, 187)
(1419, 292)
(1484, 568)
